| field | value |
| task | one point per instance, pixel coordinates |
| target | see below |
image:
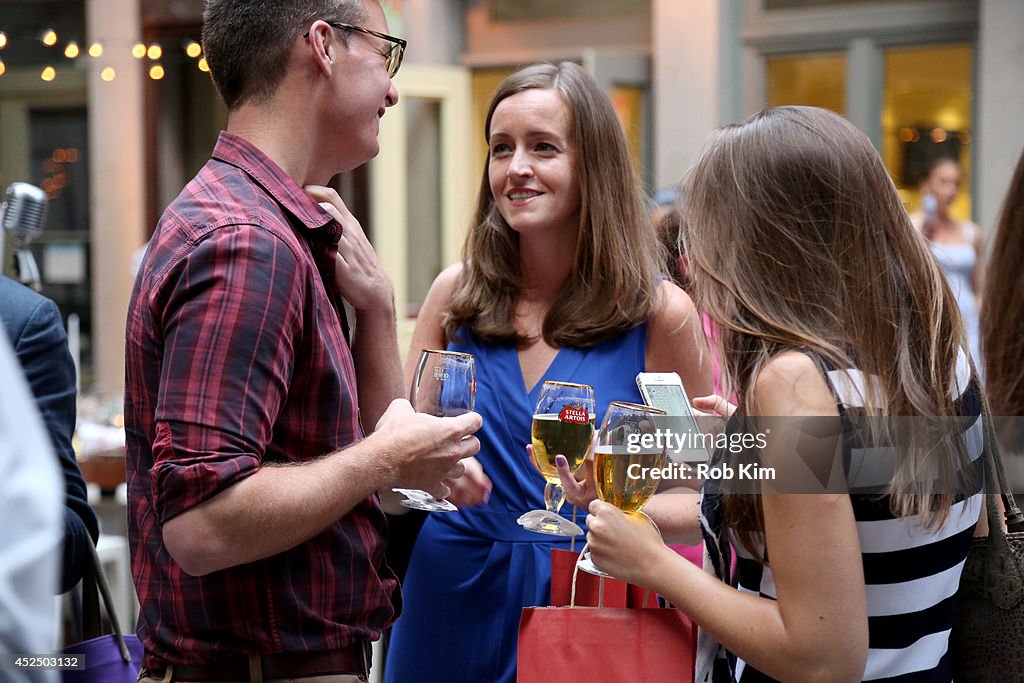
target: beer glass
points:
(444, 385)
(563, 424)
(625, 457)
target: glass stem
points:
(554, 496)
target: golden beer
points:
(613, 480)
(551, 436)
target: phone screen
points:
(679, 421)
(668, 397)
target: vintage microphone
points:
(23, 214)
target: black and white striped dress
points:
(911, 572)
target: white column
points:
(116, 178)
(693, 60)
(1000, 105)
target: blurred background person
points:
(36, 331)
(955, 243)
(30, 533)
(784, 215)
(559, 282)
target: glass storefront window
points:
(926, 113)
(815, 79)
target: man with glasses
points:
(255, 527)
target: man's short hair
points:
(247, 43)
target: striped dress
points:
(911, 572)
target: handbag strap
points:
(92, 623)
(1013, 517)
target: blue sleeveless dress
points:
(473, 571)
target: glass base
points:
(544, 522)
(421, 500)
(587, 565)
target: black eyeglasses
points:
(393, 59)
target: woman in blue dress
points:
(559, 282)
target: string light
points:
(48, 74)
(108, 74)
(96, 49)
(154, 52)
(3, 40)
(3, 67)
(156, 72)
(49, 37)
(203, 65)
(71, 51)
(193, 49)
(138, 50)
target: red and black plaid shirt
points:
(236, 356)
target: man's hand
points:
(425, 450)
(360, 277)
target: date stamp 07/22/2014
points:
(49, 662)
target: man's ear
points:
(322, 46)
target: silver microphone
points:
(23, 214)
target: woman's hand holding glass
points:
(627, 459)
(563, 424)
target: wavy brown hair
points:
(797, 239)
(612, 286)
(1002, 320)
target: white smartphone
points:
(665, 390)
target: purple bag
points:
(112, 658)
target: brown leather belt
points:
(353, 659)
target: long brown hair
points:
(1002, 320)
(612, 286)
(797, 239)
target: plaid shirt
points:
(236, 355)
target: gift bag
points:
(113, 658)
(605, 644)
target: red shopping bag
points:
(605, 644)
(588, 587)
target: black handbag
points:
(113, 658)
(985, 643)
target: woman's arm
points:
(815, 560)
(676, 342)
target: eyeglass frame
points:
(396, 43)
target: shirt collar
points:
(239, 152)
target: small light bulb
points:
(156, 72)
(3, 67)
(193, 49)
(108, 74)
(71, 51)
(96, 49)
(49, 37)
(3, 40)
(138, 50)
(203, 65)
(49, 73)
(154, 52)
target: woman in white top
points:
(956, 244)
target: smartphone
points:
(665, 390)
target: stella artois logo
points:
(576, 414)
